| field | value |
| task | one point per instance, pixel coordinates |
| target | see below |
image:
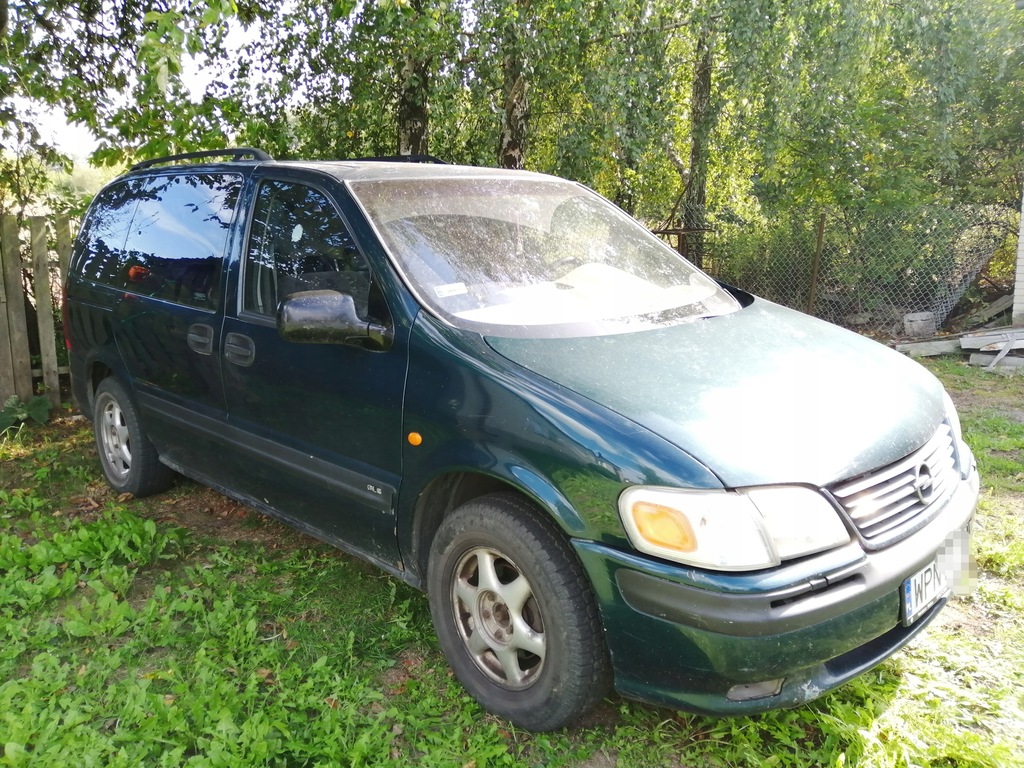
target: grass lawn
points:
(185, 629)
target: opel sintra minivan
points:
(604, 468)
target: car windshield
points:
(533, 256)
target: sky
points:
(74, 140)
(78, 142)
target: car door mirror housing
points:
(327, 317)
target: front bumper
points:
(685, 639)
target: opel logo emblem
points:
(924, 483)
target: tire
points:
(515, 615)
(130, 462)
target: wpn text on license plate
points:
(922, 590)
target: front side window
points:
(175, 246)
(299, 242)
(521, 256)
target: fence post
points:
(812, 294)
(7, 367)
(44, 308)
(62, 235)
(1017, 314)
(13, 343)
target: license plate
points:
(922, 590)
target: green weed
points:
(997, 540)
(127, 642)
(21, 502)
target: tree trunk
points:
(512, 146)
(413, 109)
(701, 124)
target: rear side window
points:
(101, 242)
(162, 236)
(175, 246)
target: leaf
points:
(38, 409)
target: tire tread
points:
(148, 475)
(590, 676)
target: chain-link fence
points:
(862, 271)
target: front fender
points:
(476, 412)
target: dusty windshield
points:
(521, 256)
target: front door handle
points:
(239, 349)
(200, 338)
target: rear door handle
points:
(200, 338)
(239, 349)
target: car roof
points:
(373, 170)
(362, 169)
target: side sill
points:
(406, 576)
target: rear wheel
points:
(514, 614)
(130, 462)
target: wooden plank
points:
(44, 308)
(17, 328)
(929, 348)
(1017, 301)
(993, 340)
(6, 361)
(983, 359)
(998, 346)
(62, 235)
(63, 370)
(998, 306)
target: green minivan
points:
(603, 467)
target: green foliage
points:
(875, 264)
(999, 545)
(839, 103)
(70, 192)
(998, 441)
(124, 641)
(14, 411)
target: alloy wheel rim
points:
(115, 440)
(498, 618)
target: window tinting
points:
(175, 246)
(102, 244)
(299, 242)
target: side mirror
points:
(327, 317)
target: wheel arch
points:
(99, 364)
(553, 677)
(450, 490)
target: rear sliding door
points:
(168, 320)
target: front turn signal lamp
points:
(664, 527)
(730, 530)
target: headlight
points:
(730, 530)
(952, 416)
(964, 457)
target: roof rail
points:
(240, 153)
(399, 159)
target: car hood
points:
(763, 395)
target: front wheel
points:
(514, 614)
(130, 462)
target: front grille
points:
(889, 504)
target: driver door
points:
(321, 422)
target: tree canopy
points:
(666, 107)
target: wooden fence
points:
(32, 271)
